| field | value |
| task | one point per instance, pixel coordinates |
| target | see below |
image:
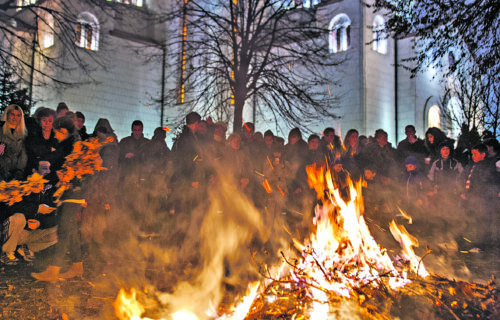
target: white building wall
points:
(349, 73)
(123, 83)
(128, 89)
(416, 95)
(379, 83)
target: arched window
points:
(87, 31)
(454, 116)
(340, 33)
(434, 117)
(379, 43)
(46, 31)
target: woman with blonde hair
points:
(12, 150)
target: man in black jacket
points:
(480, 195)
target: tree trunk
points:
(238, 114)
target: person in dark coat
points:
(381, 153)
(130, 155)
(314, 153)
(70, 207)
(445, 172)
(433, 138)
(102, 190)
(187, 166)
(156, 153)
(294, 153)
(331, 145)
(41, 142)
(351, 154)
(80, 126)
(412, 183)
(480, 196)
(412, 146)
(341, 179)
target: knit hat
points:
(411, 160)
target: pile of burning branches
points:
(342, 271)
(439, 297)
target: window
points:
(340, 33)
(21, 3)
(137, 3)
(452, 62)
(310, 3)
(434, 117)
(379, 43)
(87, 31)
(454, 116)
(46, 31)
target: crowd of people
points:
(432, 178)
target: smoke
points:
(227, 228)
(446, 227)
(188, 257)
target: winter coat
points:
(412, 184)
(185, 152)
(445, 173)
(38, 148)
(14, 158)
(29, 207)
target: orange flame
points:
(270, 163)
(127, 307)
(407, 242)
(267, 186)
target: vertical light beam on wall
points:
(182, 78)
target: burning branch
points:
(84, 159)
(14, 191)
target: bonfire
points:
(341, 272)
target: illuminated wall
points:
(368, 78)
(123, 79)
